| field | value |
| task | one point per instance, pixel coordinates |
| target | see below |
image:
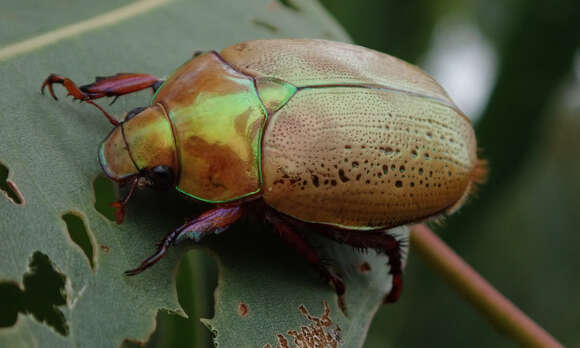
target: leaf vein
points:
(76, 29)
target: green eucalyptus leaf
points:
(264, 288)
(62, 257)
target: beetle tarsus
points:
(111, 86)
(151, 260)
(74, 91)
(217, 219)
(48, 83)
(114, 100)
(396, 289)
(119, 211)
(119, 206)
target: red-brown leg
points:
(383, 243)
(213, 221)
(300, 244)
(120, 84)
(112, 86)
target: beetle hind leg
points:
(301, 245)
(382, 242)
(212, 221)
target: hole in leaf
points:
(265, 25)
(196, 281)
(11, 301)
(9, 187)
(104, 196)
(289, 5)
(77, 230)
(44, 291)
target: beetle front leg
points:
(111, 86)
(382, 242)
(212, 221)
(121, 84)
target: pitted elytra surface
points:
(361, 157)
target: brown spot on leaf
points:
(243, 309)
(318, 334)
(105, 248)
(364, 267)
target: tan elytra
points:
(368, 141)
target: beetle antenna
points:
(119, 206)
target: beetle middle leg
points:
(111, 86)
(382, 242)
(212, 221)
(301, 245)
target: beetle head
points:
(142, 147)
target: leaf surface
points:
(48, 159)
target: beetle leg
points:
(302, 246)
(120, 205)
(112, 86)
(212, 221)
(382, 242)
(120, 84)
(74, 91)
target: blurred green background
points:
(514, 67)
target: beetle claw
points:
(337, 283)
(395, 292)
(73, 91)
(48, 83)
(114, 100)
(133, 272)
(119, 211)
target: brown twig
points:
(498, 309)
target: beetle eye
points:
(161, 177)
(134, 113)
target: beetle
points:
(321, 134)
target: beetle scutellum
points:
(315, 132)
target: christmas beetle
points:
(321, 134)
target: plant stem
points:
(499, 310)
